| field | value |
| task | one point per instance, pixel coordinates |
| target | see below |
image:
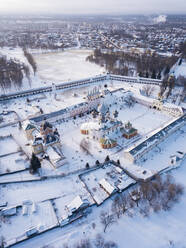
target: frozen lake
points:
(68, 65)
(54, 67)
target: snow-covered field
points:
(41, 191)
(180, 70)
(67, 65)
(8, 145)
(13, 162)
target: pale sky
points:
(93, 6)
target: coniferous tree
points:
(140, 74)
(159, 75)
(34, 164)
(167, 70)
(180, 62)
(107, 159)
(97, 162)
(154, 74)
(87, 166)
(19, 124)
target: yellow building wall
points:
(29, 134)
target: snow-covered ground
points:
(8, 145)
(156, 231)
(161, 230)
(159, 157)
(13, 162)
(55, 67)
(32, 219)
(180, 70)
(41, 191)
(67, 65)
(64, 98)
(64, 190)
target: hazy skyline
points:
(93, 7)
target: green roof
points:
(129, 131)
(30, 126)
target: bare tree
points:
(121, 204)
(84, 243)
(116, 207)
(107, 219)
(47, 246)
(2, 241)
(110, 244)
(124, 203)
(145, 210)
(148, 90)
(65, 246)
(129, 101)
(160, 193)
(135, 196)
(101, 243)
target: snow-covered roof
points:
(46, 124)
(98, 199)
(155, 136)
(54, 156)
(35, 133)
(103, 108)
(172, 106)
(76, 203)
(28, 125)
(140, 172)
(9, 211)
(110, 124)
(107, 187)
(90, 126)
(107, 141)
(144, 98)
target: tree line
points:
(12, 72)
(30, 59)
(149, 65)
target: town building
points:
(106, 128)
(41, 137)
(29, 129)
(129, 131)
(47, 136)
(135, 152)
(159, 104)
